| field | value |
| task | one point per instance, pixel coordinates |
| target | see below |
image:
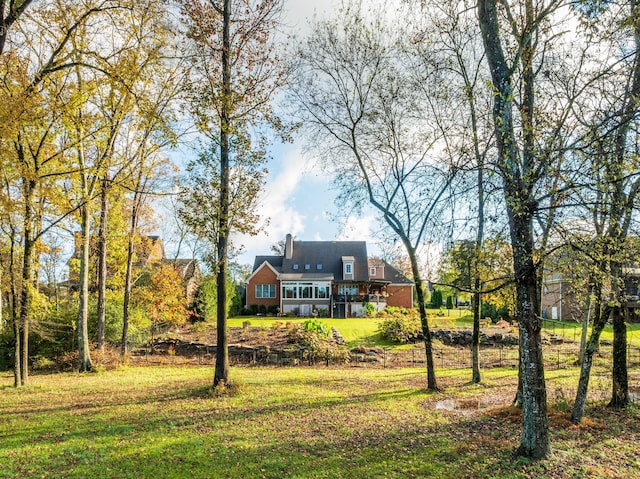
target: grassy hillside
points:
(163, 422)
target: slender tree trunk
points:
(475, 340)
(222, 350)
(128, 282)
(424, 322)
(475, 337)
(620, 392)
(27, 281)
(585, 322)
(84, 355)
(102, 261)
(599, 321)
(17, 370)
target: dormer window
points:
(319, 266)
(347, 267)
(307, 266)
(295, 266)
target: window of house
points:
(307, 266)
(306, 290)
(290, 291)
(348, 268)
(319, 266)
(348, 289)
(372, 271)
(265, 290)
(322, 292)
(295, 265)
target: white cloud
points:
(359, 229)
(278, 204)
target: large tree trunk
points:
(535, 431)
(84, 356)
(517, 168)
(222, 351)
(102, 262)
(629, 110)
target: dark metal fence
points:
(556, 356)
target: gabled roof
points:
(265, 263)
(323, 261)
(327, 254)
(274, 261)
(188, 268)
(394, 275)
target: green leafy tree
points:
(206, 299)
(235, 72)
(163, 298)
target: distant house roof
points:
(324, 261)
(188, 268)
(394, 275)
(319, 260)
(274, 261)
(312, 257)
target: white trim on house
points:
(260, 267)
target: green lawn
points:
(357, 331)
(572, 330)
(360, 331)
(163, 422)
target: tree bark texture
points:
(102, 262)
(222, 351)
(84, 355)
(600, 318)
(620, 390)
(516, 169)
(431, 373)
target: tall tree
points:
(448, 41)
(517, 38)
(611, 146)
(33, 110)
(354, 90)
(235, 73)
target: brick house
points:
(332, 278)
